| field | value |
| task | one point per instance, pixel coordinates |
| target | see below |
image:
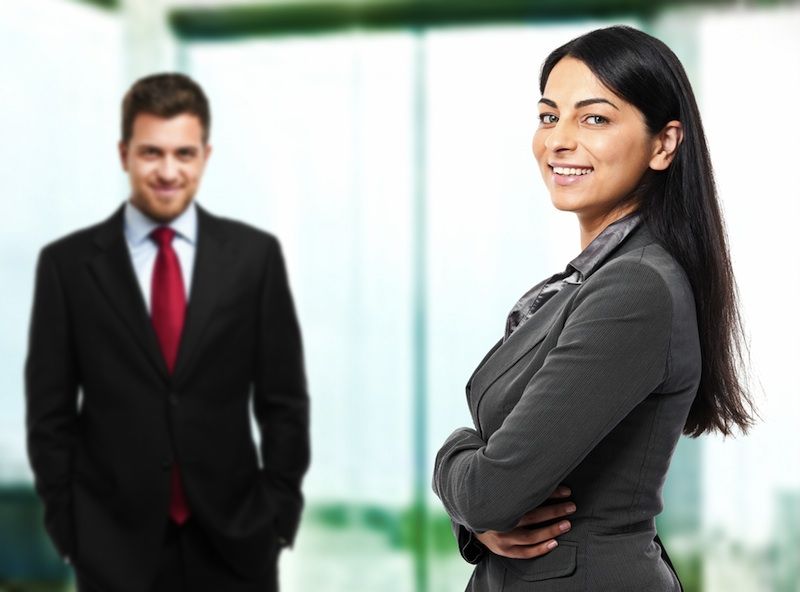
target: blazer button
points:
(173, 399)
(166, 464)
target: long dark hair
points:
(680, 207)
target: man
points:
(152, 334)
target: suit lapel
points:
(113, 271)
(526, 337)
(521, 341)
(496, 346)
(207, 281)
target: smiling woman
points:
(578, 408)
(594, 148)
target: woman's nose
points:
(561, 137)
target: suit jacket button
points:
(173, 399)
(166, 464)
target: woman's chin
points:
(564, 205)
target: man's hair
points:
(165, 95)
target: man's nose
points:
(168, 169)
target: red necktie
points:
(168, 311)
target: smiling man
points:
(153, 335)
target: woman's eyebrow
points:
(592, 101)
(580, 104)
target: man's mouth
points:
(165, 189)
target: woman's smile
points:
(566, 175)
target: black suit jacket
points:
(106, 420)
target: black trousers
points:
(189, 563)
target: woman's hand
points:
(526, 542)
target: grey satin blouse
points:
(577, 269)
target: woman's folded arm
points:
(611, 353)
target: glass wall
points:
(313, 139)
(58, 170)
(752, 485)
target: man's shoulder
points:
(239, 232)
(82, 239)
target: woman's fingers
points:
(523, 543)
(532, 536)
(561, 491)
(492, 542)
(545, 513)
(531, 551)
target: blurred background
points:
(387, 144)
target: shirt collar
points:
(605, 242)
(138, 225)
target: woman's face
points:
(592, 146)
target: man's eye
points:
(186, 154)
(547, 118)
(598, 119)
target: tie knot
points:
(163, 236)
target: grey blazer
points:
(593, 392)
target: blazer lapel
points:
(207, 281)
(526, 337)
(113, 271)
(521, 341)
(496, 346)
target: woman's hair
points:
(680, 207)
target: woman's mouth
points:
(569, 175)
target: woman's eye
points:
(598, 119)
(547, 118)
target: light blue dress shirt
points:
(143, 249)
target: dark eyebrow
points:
(579, 104)
(586, 102)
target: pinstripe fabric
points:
(592, 391)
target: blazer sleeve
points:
(469, 547)
(280, 398)
(611, 353)
(51, 397)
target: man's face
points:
(164, 159)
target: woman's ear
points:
(666, 145)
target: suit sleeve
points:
(611, 354)
(469, 547)
(51, 395)
(281, 403)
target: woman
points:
(603, 366)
